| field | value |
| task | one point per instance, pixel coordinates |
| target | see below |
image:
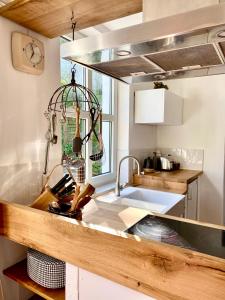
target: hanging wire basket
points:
(74, 94)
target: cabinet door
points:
(192, 201)
(94, 287)
(72, 282)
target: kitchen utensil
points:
(94, 120)
(68, 182)
(62, 185)
(80, 174)
(61, 181)
(148, 163)
(76, 194)
(65, 212)
(66, 198)
(82, 202)
(77, 141)
(68, 189)
(88, 191)
(48, 141)
(55, 205)
(156, 161)
(166, 164)
(54, 136)
(78, 162)
(98, 156)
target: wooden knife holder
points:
(43, 201)
(47, 197)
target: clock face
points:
(27, 53)
(33, 53)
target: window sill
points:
(108, 187)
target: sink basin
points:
(155, 201)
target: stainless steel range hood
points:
(186, 45)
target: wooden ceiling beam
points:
(52, 18)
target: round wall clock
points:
(27, 53)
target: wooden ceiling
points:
(52, 18)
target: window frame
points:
(111, 176)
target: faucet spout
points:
(118, 186)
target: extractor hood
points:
(185, 45)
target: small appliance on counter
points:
(160, 163)
(168, 164)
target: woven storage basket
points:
(45, 270)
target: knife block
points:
(43, 201)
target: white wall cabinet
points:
(192, 201)
(158, 106)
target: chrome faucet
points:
(118, 186)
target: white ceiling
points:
(108, 26)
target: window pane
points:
(66, 67)
(103, 166)
(102, 88)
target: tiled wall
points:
(192, 159)
(188, 158)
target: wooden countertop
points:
(174, 181)
(156, 269)
(182, 175)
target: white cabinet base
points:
(83, 285)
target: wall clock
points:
(27, 53)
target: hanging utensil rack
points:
(74, 95)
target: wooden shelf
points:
(18, 273)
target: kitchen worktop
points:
(173, 181)
(182, 175)
(148, 266)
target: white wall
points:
(23, 99)
(154, 9)
(203, 128)
(133, 139)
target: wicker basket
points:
(45, 270)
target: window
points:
(104, 88)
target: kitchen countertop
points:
(174, 181)
(172, 272)
(182, 175)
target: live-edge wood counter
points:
(156, 269)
